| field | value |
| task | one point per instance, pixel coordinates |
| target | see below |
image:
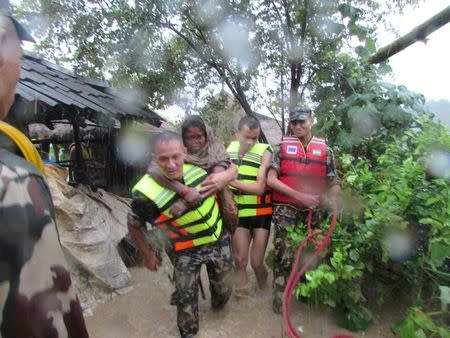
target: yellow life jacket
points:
(248, 167)
(24, 144)
(195, 227)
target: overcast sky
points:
(422, 67)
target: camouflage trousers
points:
(187, 264)
(283, 217)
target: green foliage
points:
(394, 229)
(327, 283)
(419, 324)
(160, 47)
(167, 47)
(356, 318)
(209, 111)
(370, 117)
(113, 40)
(216, 114)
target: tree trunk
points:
(239, 94)
(417, 34)
(295, 85)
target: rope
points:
(295, 275)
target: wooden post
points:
(79, 168)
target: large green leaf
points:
(370, 45)
(440, 250)
(423, 320)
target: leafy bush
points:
(394, 230)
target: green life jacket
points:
(248, 167)
(196, 226)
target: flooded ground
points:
(145, 312)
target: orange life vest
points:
(302, 170)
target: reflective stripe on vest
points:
(196, 226)
(302, 170)
(248, 169)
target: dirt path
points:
(145, 312)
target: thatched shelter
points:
(58, 108)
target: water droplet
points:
(438, 164)
(398, 245)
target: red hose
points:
(295, 275)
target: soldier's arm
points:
(334, 182)
(27, 220)
(136, 226)
(259, 187)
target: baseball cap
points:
(300, 114)
(21, 31)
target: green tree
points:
(219, 114)
(109, 39)
(162, 46)
(316, 46)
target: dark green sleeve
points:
(276, 161)
(144, 208)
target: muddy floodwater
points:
(144, 311)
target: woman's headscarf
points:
(213, 152)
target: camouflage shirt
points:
(37, 298)
(331, 168)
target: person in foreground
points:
(302, 177)
(37, 297)
(255, 209)
(195, 237)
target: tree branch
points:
(277, 12)
(198, 31)
(303, 27)
(235, 87)
(417, 34)
(289, 29)
(285, 30)
(308, 81)
(275, 118)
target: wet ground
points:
(144, 311)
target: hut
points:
(62, 111)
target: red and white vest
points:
(302, 170)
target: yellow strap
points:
(27, 148)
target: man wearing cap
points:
(302, 177)
(37, 297)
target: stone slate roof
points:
(54, 87)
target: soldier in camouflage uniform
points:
(37, 298)
(218, 261)
(193, 238)
(302, 176)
